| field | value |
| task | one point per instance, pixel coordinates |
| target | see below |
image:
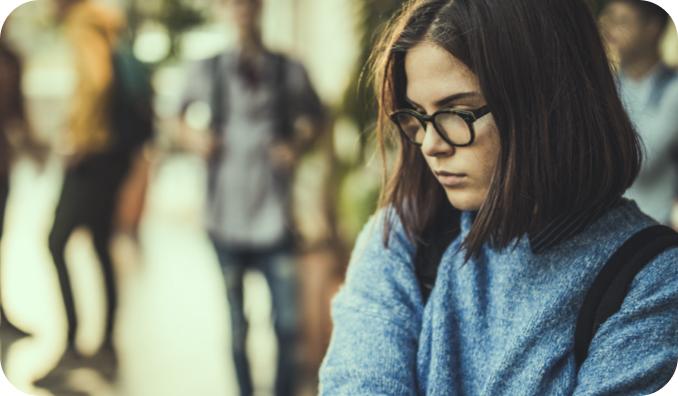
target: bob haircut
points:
(567, 145)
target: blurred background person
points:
(15, 137)
(108, 124)
(264, 115)
(633, 30)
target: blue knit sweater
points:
(503, 323)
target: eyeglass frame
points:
(469, 117)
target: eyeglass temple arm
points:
(481, 111)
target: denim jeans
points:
(279, 268)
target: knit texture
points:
(501, 323)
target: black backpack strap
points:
(284, 128)
(610, 287)
(218, 99)
(132, 100)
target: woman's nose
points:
(434, 145)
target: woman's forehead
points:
(433, 73)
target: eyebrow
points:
(446, 100)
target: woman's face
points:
(437, 80)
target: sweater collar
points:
(567, 226)
(560, 229)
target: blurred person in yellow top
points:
(633, 30)
(92, 31)
(110, 122)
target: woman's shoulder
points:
(622, 223)
(383, 235)
(382, 252)
(613, 227)
(592, 247)
(380, 276)
(658, 278)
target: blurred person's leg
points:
(105, 361)
(101, 227)
(233, 266)
(280, 270)
(4, 195)
(70, 213)
(107, 177)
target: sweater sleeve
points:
(377, 319)
(635, 351)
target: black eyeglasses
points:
(455, 127)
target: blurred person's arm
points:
(18, 136)
(660, 141)
(673, 147)
(22, 139)
(309, 114)
(310, 117)
(196, 112)
(286, 154)
(661, 138)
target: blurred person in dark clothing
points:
(633, 30)
(105, 132)
(265, 114)
(15, 134)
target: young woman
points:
(513, 154)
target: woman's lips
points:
(449, 179)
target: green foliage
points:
(359, 103)
(358, 186)
(178, 16)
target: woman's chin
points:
(464, 201)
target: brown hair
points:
(567, 144)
